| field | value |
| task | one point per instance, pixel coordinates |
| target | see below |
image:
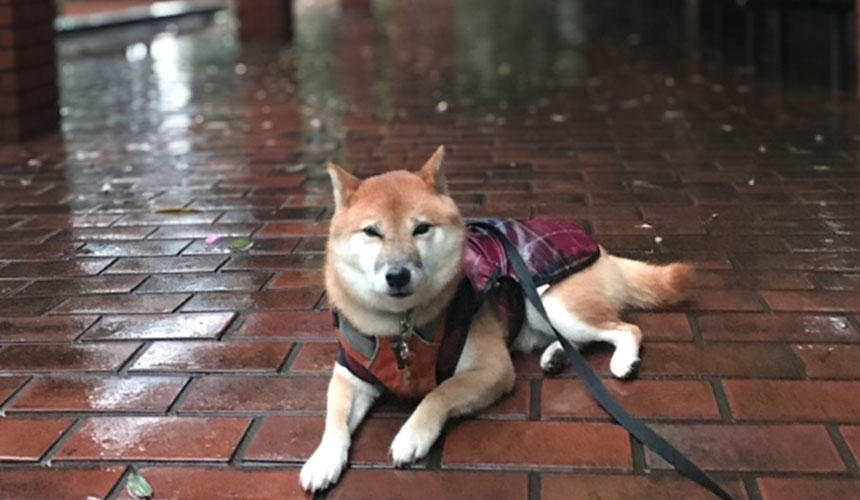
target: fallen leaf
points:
(138, 487)
(241, 245)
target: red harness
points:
(414, 361)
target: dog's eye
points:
(372, 232)
(422, 228)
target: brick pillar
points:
(264, 20)
(28, 69)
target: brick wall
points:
(28, 72)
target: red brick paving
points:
(160, 326)
(58, 484)
(588, 445)
(830, 361)
(255, 394)
(852, 437)
(315, 357)
(95, 394)
(802, 489)
(664, 399)
(744, 327)
(154, 438)
(212, 356)
(129, 337)
(293, 439)
(748, 447)
(44, 329)
(79, 7)
(793, 400)
(23, 358)
(9, 384)
(28, 439)
(196, 483)
(588, 487)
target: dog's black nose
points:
(398, 278)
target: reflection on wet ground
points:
(160, 257)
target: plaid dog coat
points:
(551, 249)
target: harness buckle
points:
(401, 345)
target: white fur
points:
(413, 441)
(326, 464)
(356, 262)
(549, 357)
(357, 258)
(578, 332)
(365, 395)
(441, 252)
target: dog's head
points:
(396, 239)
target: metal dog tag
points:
(401, 346)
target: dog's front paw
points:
(324, 467)
(412, 442)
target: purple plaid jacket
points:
(551, 249)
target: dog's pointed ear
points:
(432, 172)
(343, 185)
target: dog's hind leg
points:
(484, 373)
(552, 358)
(584, 320)
(626, 337)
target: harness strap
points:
(592, 382)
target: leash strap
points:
(592, 382)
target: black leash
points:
(592, 382)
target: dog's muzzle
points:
(398, 279)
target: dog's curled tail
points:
(650, 285)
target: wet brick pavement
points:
(129, 337)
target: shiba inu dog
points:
(397, 273)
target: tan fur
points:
(600, 292)
(485, 373)
(651, 286)
(584, 307)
